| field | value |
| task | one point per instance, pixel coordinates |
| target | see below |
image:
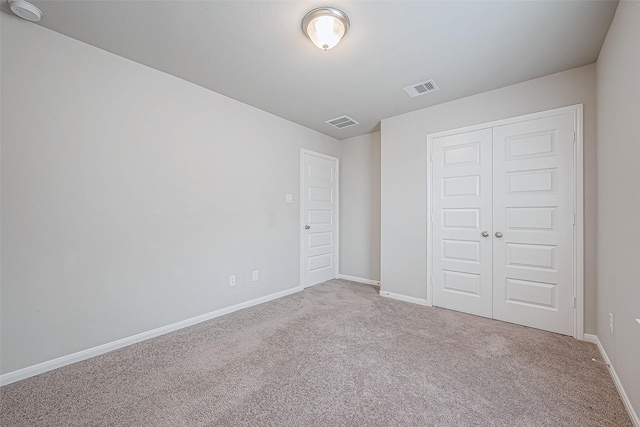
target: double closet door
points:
(503, 222)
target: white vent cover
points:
(421, 88)
(342, 122)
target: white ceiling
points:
(255, 52)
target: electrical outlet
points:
(611, 323)
(232, 280)
(255, 275)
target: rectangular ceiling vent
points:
(342, 122)
(421, 88)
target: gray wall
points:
(404, 172)
(618, 80)
(129, 196)
(360, 206)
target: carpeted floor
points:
(336, 354)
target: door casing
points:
(578, 203)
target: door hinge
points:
(574, 219)
(574, 302)
(574, 137)
(431, 157)
(431, 218)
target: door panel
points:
(533, 209)
(462, 181)
(319, 215)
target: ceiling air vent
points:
(421, 88)
(342, 122)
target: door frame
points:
(336, 245)
(578, 202)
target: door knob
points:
(306, 227)
(498, 234)
(485, 234)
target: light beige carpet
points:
(335, 354)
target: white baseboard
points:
(59, 362)
(359, 279)
(405, 298)
(593, 339)
(623, 395)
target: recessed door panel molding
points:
(321, 172)
(460, 186)
(319, 194)
(531, 256)
(532, 218)
(317, 240)
(320, 262)
(461, 250)
(531, 294)
(523, 183)
(318, 218)
(505, 220)
(461, 155)
(456, 218)
(535, 144)
(467, 284)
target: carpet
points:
(336, 354)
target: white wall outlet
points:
(255, 275)
(611, 323)
(232, 280)
(288, 198)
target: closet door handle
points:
(498, 234)
(485, 234)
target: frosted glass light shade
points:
(325, 26)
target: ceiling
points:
(255, 51)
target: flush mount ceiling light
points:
(325, 26)
(25, 10)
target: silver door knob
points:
(306, 227)
(485, 234)
(498, 234)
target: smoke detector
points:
(421, 88)
(25, 10)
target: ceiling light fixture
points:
(325, 26)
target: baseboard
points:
(359, 279)
(623, 395)
(593, 339)
(406, 298)
(59, 362)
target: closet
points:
(502, 220)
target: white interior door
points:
(461, 194)
(533, 213)
(319, 194)
(503, 221)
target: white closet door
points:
(461, 195)
(533, 211)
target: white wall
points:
(618, 82)
(129, 196)
(404, 171)
(360, 206)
